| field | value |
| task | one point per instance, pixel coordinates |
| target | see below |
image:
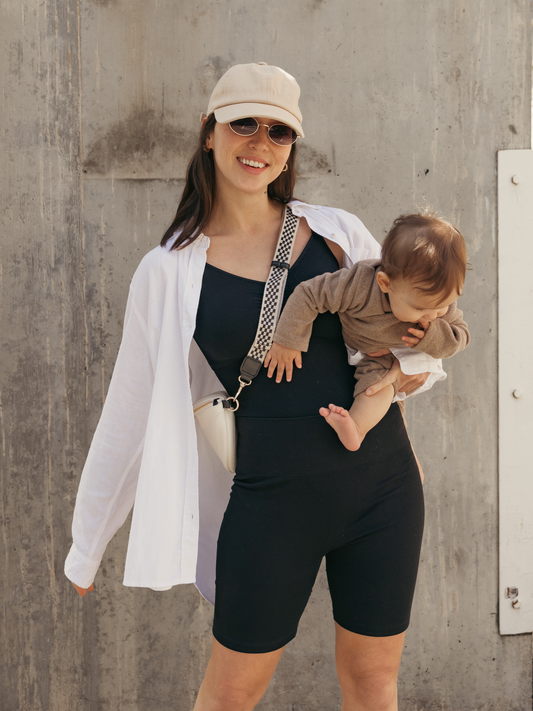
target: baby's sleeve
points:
(334, 292)
(446, 335)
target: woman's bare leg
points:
(235, 681)
(367, 668)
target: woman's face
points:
(246, 163)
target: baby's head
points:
(423, 265)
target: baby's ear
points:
(383, 281)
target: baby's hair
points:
(429, 252)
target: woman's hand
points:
(406, 383)
(281, 358)
(83, 591)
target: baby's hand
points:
(417, 333)
(281, 358)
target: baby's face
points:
(412, 305)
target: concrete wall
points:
(405, 104)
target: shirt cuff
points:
(354, 357)
(80, 569)
(415, 362)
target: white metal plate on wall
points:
(515, 317)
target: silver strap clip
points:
(235, 398)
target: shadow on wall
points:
(141, 146)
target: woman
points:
(298, 494)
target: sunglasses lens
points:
(244, 126)
(282, 135)
(279, 133)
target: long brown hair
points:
(198, 197)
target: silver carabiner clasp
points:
(235, 399)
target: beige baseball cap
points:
(257, 90)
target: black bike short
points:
(362, 511)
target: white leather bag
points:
(218, 425)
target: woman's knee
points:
(373, 690)
(228, 697)
(368, 669)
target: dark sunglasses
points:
(279, 134)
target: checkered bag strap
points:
(272, 298)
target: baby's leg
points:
(364, 414)
(368, 411)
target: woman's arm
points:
(337, 250)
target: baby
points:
(417, 281)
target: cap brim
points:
(225, 114)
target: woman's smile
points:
(251, 163)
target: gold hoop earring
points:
(285, 168)
(206, 149)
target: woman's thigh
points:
(269, 554)
(372, 571)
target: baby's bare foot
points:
(344, 426)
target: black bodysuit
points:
(298, 493)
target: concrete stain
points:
(219, 65)
(311, 161)
(142, 144)
(16, 57)
(210, 72)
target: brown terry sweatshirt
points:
(368, 323)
